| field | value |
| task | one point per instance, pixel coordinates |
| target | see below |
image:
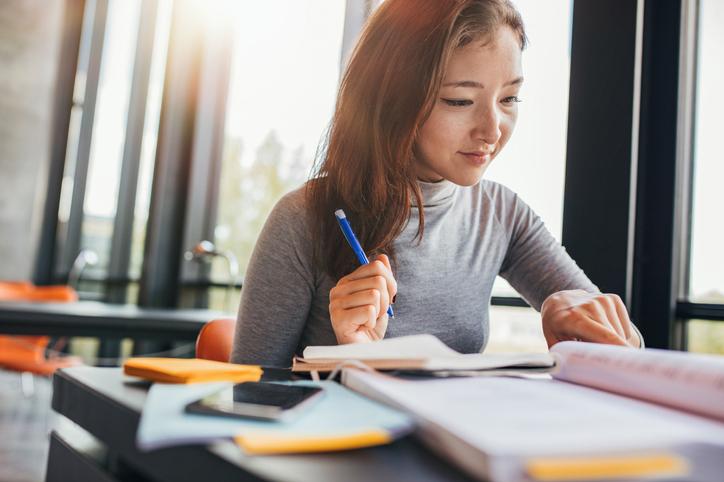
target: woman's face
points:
(475, 112)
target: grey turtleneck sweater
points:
(472, 234)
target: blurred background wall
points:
(29, 41)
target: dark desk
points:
(90, 318)
(98, 400)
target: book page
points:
(527, 418)
(683, 380)
(430, 351)
(403, 347)
(481, 361)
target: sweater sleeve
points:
(535, 264)
(278, 288)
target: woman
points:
(428, 100)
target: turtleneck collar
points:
(436, 193)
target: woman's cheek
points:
(507, 129)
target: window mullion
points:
(123, 223)
(71, 246)
(62, 107)
(164, 230)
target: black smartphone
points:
(260, 400)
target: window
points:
(150, 135)
(705, 336)
(533, 163)
(706, 256)
(285, 71)
(109, 130)
(108, 167)
(706, 282)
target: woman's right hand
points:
(358, 303)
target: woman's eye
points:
(457, 102)
(513, 99)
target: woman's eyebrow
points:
(478, 85)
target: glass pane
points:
(150, 136)
(74, 128)
(705, 336)
(109, 129)
(534, 161)
(514, 329)
(283, 86)
(706, 283)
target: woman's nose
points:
(487, 128)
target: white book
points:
(508, 429)
(415, 352)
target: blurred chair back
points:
(24, 291)
(27, 353)
(215, 340)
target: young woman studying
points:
(428, 100)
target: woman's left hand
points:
(584, 316)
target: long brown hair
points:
(387, 93)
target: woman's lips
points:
(477, 158)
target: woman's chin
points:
(467, 179)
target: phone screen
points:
(255, 399)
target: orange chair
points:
(215, 340)
(27, 353)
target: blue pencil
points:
(354, 244)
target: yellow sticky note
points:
(595, 468)
(274, 443)
(193, 370)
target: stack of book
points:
(602, 412)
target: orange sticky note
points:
(596, 468)
(194, 370)
(275, 443)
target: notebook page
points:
(480, 361)
(683, 380)
(436, 354)
(523, 418)
(403, 347)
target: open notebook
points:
(665, 417)
(415, 352)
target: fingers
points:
(578, 325)
(359, 301)
(391, 281)
(622, 312)
(380, 266)
(373, 335)
(611, 311)
(602, 309)
(563, 300)
(361, 292)
(592, 331)
(385, 260)
(370, 296)
(381, 326)
(579, 315)
(355, 319)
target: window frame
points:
(652, 233)
(57, 250)
(686, 310)
(43, 272)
